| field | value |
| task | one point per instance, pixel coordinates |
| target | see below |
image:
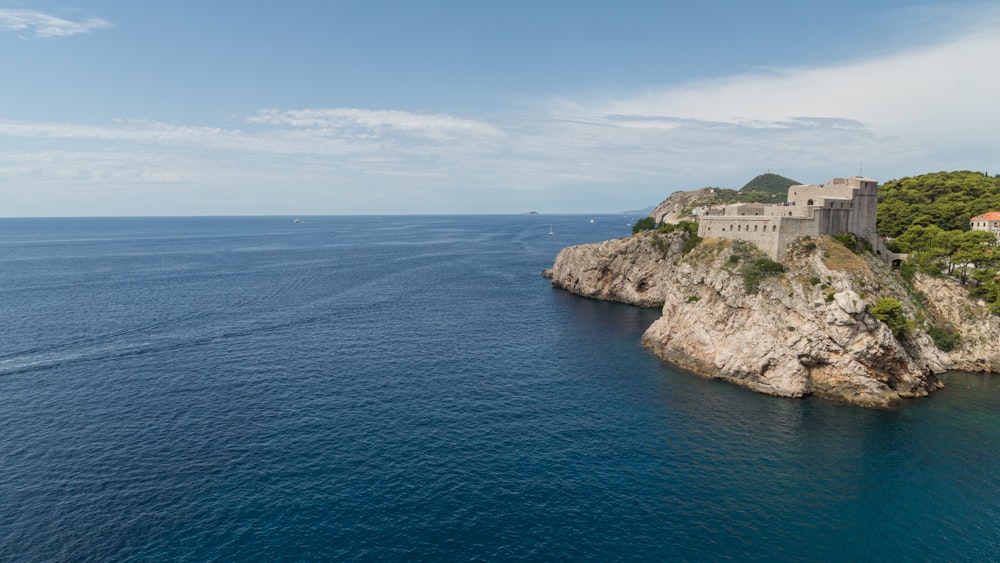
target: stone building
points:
(842, 205)
(986, 222)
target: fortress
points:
(842, 205)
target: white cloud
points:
(432, 126)
(930, 94)
(44, 26)
(924, 108)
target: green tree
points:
(891, 312)
(945, 199)
(644, 224)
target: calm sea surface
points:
(410, 388)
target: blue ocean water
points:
(410, 388)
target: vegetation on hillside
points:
(769, 184)
(945, 199)
(928, 218)
(766, 188)
(891, 312)
(644, 224)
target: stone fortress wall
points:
(842, 205)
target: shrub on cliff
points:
(690, 243)
(760, 268)
(891, 312)
(644, 224)
(689, 227)
(946, 339)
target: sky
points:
(329, 107)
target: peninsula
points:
(791, 299)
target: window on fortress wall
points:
(810, 202)
(774, 228)
(755, 228)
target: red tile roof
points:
(991, 216)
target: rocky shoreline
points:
(806, 331)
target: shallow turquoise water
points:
(411, 388)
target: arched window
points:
(774, 228)
(810, 202)
(755, 228)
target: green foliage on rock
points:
(644, 224)
(758, 269)
(662, 245)
(891, 312)
(946, 339)
(689, 227)
(908, 270)
(690, 243)
(849, 240)
(987, 288)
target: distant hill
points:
(766, 188)
(770, 184)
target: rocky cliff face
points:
(806, 331)
(948, 304)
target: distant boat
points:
(296, 220)
(591, 220)
(550, 230)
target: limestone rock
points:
(807, 331)
(979, 331)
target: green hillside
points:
(944, 199)
(769, 184)
(928, 218)
(766, 188)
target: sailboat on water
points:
(550, 230)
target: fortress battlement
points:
(842, 205)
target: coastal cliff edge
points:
(808, 330)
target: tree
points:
(644, 224)
(891, 312)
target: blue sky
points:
(377, 107)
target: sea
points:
(411, 389)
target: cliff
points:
(806, 331)
(948, 304)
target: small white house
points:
(989, 222)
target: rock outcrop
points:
(806, 331)
(671, 210)
(978, 330)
